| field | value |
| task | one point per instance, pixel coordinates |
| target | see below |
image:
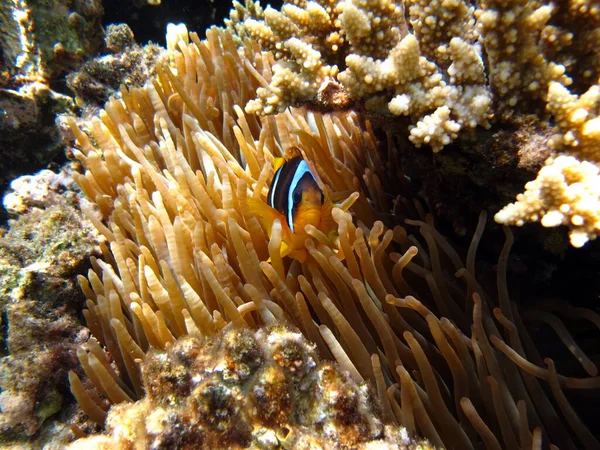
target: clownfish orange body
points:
(297, 200)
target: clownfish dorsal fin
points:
(292, 152)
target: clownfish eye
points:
(297, 197)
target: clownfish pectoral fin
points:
(264, 213)
(301, 255)
(285, 249)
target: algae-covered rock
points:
(41, 253)
(41, 39)
(29, 139)
(124, 63)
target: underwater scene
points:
(309, 224)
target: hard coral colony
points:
(450, 68)
(199, 311)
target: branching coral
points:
(571, 39)
(373, 59)
(364, 51)
(436, 23)
(532, 50)
(577, 120)
(565, 192)
(170, 171)
(567, 188)
(519, 73)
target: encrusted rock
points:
(40, 255)
(262, 389)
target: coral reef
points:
(248, 389)
(32, 124)
(37, 192)
(566, 190)
(518, 71)
(40, 255)
(570, 40)
(201, 329)
(170, 166)
(332, 54)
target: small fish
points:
(297, 200)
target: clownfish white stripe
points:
(301, 170)
(274, 186)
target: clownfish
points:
(297, 200)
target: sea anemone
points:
(169, 168)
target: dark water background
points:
(149, 23)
